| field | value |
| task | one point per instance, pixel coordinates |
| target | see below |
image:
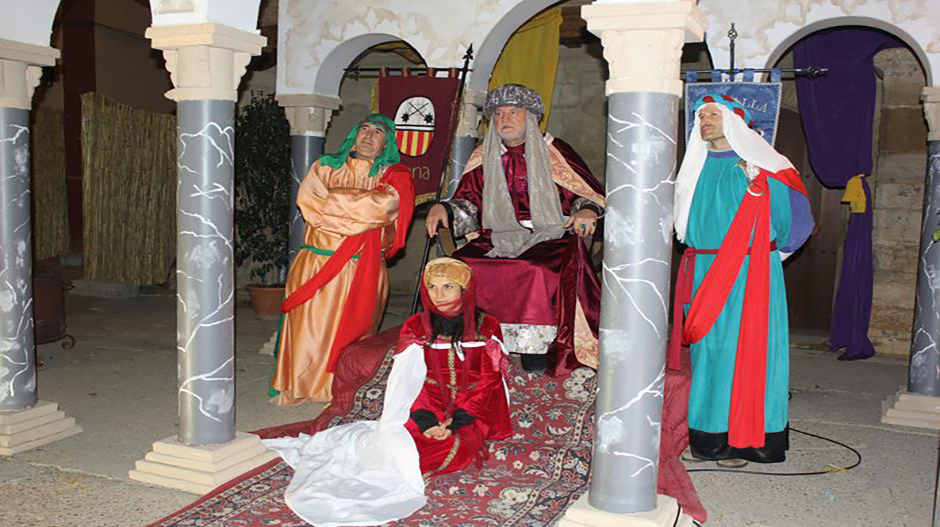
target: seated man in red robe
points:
(525, 200)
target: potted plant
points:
(262, 194)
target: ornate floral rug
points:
(530, 479)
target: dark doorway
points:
(811, 273)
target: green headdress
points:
(389, 155)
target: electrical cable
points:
(831, 468)
(835, 469)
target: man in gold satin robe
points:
(357, 205)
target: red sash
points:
(746, 414)
(359, 310)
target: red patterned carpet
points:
(529, 480)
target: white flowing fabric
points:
(364, 473)
(747, 143)
(368, 472)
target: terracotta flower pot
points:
(266, 300)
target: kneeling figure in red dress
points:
(445, 397)
(464, 401)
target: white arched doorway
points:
(896, 182)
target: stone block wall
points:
(579, 105)
(898, 199)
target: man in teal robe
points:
(741, 208)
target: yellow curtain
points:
(531, 57)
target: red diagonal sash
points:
(746, 415)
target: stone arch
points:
(332, 69)
(846, 21)
(495, 41)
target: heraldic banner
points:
(421, 108)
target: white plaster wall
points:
(318, 38)
(239, 14)
(28, 21)
(768, 27)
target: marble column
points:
(304, 151)
(923, 381)
(20, 407)
(641, 151)
(465, 139)
(205, 304)
(924, 374)
(309, 117)
(459, 154)
(206, 63)
(17, 350)
(917, 404)
(19, 74)
(643, 46)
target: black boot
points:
(714, 447)
(534, 363)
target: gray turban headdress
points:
(510, 239)
(514, 95)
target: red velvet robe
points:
(480, 391)
(542, 285)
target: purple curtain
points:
(837, 111)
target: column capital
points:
(20, 69)
(643, 42)
(931, 98)
(205, 61)
(308, 114)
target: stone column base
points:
(199, 469)
(911, 409)
(40, 425)
(667, 514)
